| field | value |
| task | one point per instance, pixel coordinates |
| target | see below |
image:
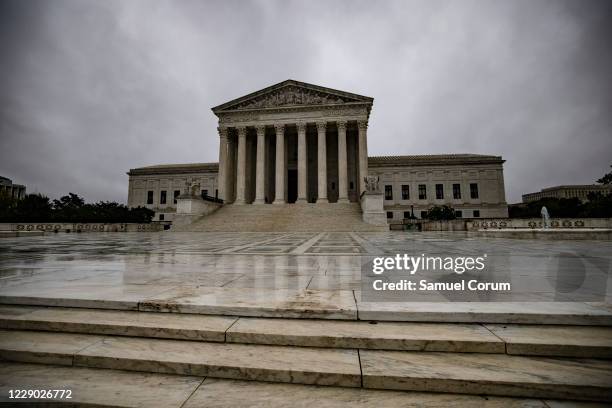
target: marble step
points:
(303, 303)
(569, 341)
(115, 388)
(494, 374)
(301, 365)
(464, 373)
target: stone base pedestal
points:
(372, 209)
(190, 208)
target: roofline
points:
(590, 186)
(432, 160)
(366, 99)
(182, 168)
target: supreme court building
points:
(298, 143)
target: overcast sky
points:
(90, 89)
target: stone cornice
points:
(356, 111)
(432, 160)
(188, 168)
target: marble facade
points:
(300, 143)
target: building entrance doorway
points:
(292, 186)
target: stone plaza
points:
(267, 319)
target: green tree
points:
(441, 213)
(7, 206)
(606, 179)
(33, 208)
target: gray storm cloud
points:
(90, 89)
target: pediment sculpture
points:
(291, 96)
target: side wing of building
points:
(156, 187)
(473, 185)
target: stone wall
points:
(80, 227)
(533, 223)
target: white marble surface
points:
(571, 341)
(494, 374)
(117, 322)
(215, 393)
(573, 313)
(384, 335)
(98, 387)
(43, 347)
(255, 302)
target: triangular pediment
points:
(291, 94)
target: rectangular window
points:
(439, 191)
(457, 191)
(406, 214)
(458, 214)
(405, 192)
(388, 192)
(389, 215)
(351, 186)
(161, 217)
(216, 193)
(162, 197)
(423, 214)
(422, 192)
(476, 213)
(149, 197)
(473, 190)
(176, 194)
(204, 193)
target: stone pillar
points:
(223, 178)
(362, 125)
(260, 171)
(241, 167)
(322, 162)
(342, 163)
(279, 197)
(302, 163)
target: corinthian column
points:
(362, 125)
(302, 160)
(322, 162)
(223, 164)
(279, 197)
(342, 163)
(260, 172)
(241, 167)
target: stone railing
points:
(535, 223)
(80, 227)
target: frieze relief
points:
(352, 113)
(292, 96)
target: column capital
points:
(223, 131)
(261, 129)
(321, 126)
(341, 124)
(279, 127)
(301, 126)
(242, 130)
(362, 124)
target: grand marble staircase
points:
(183, 359)
(284, 217)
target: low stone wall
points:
(446, 225)
(79, 227)
(551, 234)
(535, 223)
